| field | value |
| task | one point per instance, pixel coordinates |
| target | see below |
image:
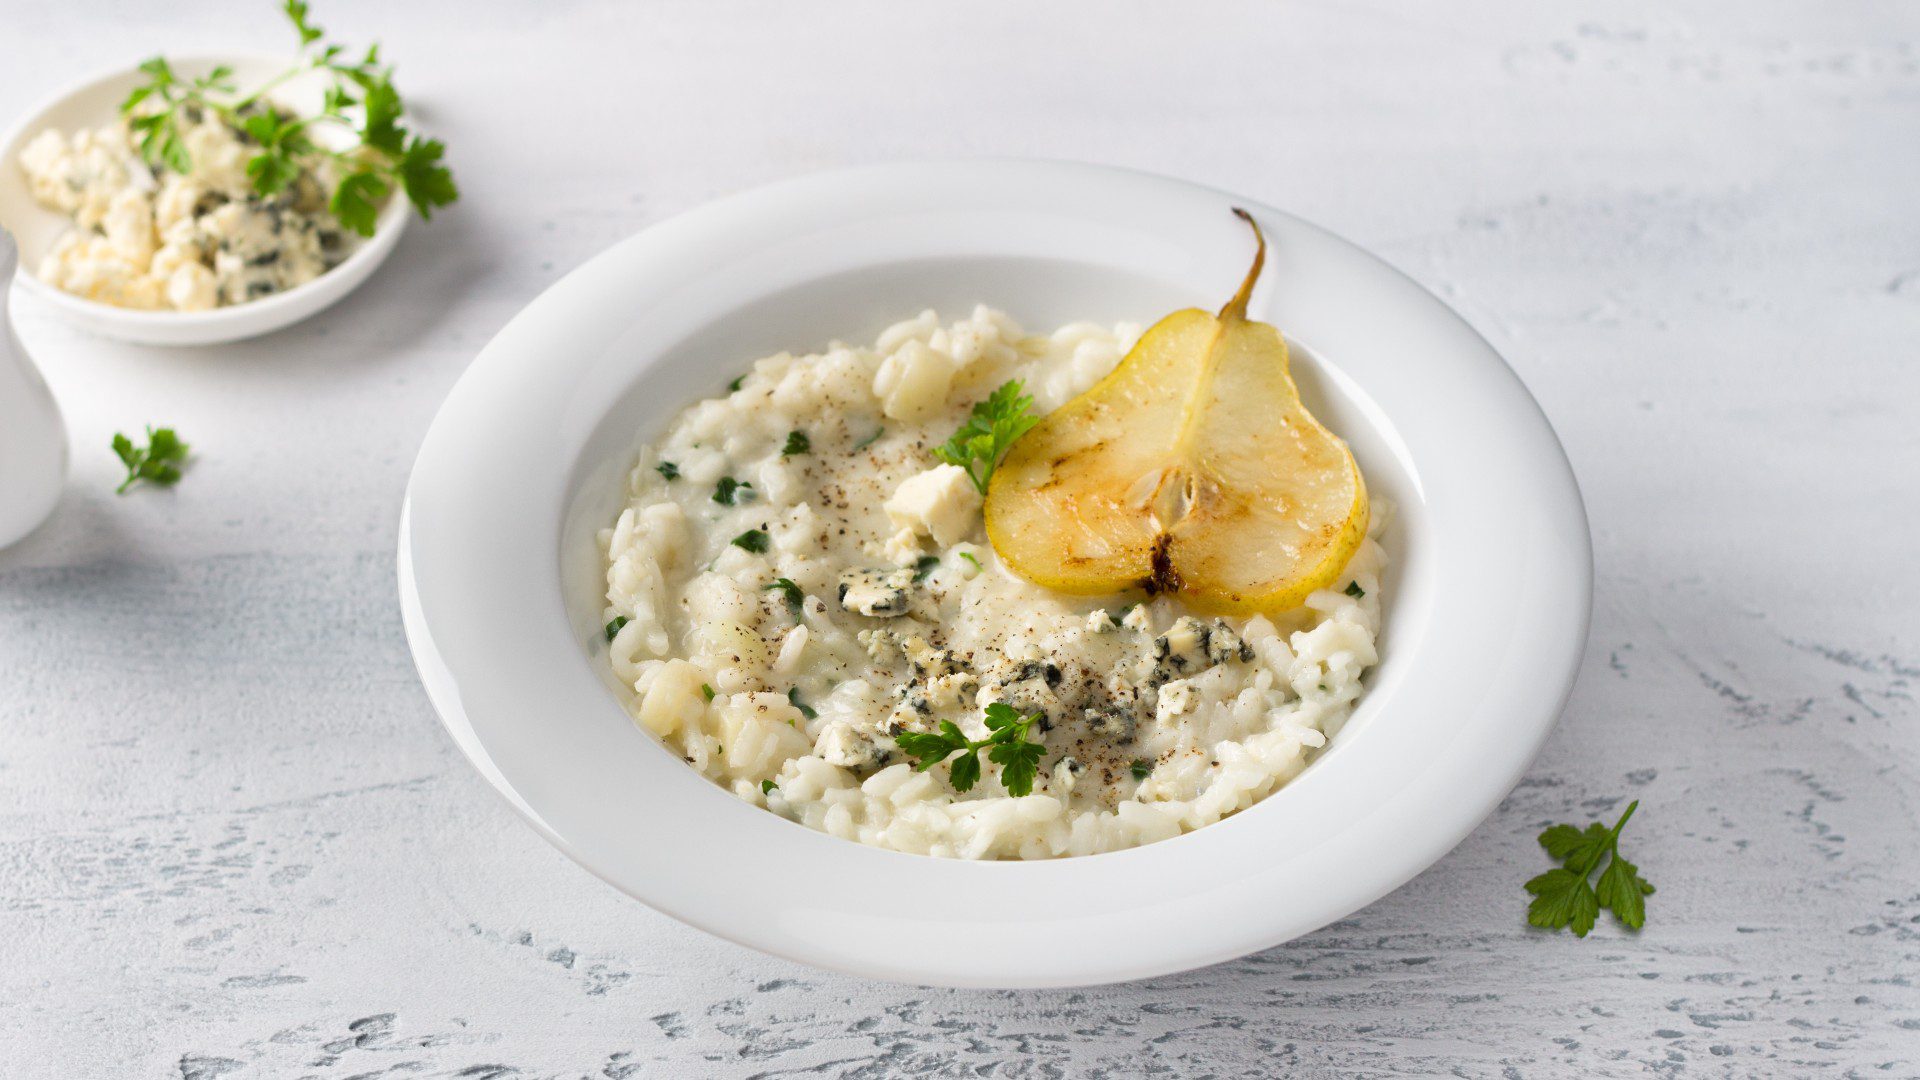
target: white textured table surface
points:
(234, 841)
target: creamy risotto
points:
(147, 237)
(797, 582)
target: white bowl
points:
(501, 581)
(97, 102)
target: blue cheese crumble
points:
(147, 237)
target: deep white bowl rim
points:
(222, 323)
(507, 667)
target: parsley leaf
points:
(968, 555)
(706, 691)
(282, 141)
(356, 202)
(1142, 769)
(728, 490)
(795, 597)
(1006, 746)
(797, 443)
(613, 628)
(766, 787)
(1354, 590)
(160, 141)
(428, 183)
(754, 540)
(734, 386)
(1562, 897)
(870, 440)
(924, 566)
(297, 12)
(1005, 722)
(157, 463)
(668, 469)
(1019, 763)
(966, 770)
(993, 427)
(383, 109)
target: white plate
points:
(97, 102)
(501, 583)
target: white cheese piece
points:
(877, 594)
(941, 503)
(840, 744)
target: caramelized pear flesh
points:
(1193, 469)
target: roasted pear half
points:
(1192, 469)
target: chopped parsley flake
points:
(766, 787)
(796, 599)
(734, 386)
(968, 555)
(806, 710)
(754, 540)
(728, 491)
(614, 626)
(668, 469)
(870, 440)
(923, 566)
(797, 443)
(706, 691)
(1354, 590)
(1142, 769)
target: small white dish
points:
(96, 102)
(501, 579)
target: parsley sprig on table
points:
(1006, 746)
(981, 442)
(1562, 896)
(156, 463)
(359, 98)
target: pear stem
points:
(1237, 307)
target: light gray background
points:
(234, 842)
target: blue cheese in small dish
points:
(150, 238)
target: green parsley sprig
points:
(1006, 746)
(1562, 896)
(994, 425)
(359, 99)
(157, 463)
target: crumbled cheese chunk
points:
(876, 593)
(843, 745)
(941, 503)
(146, 237)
